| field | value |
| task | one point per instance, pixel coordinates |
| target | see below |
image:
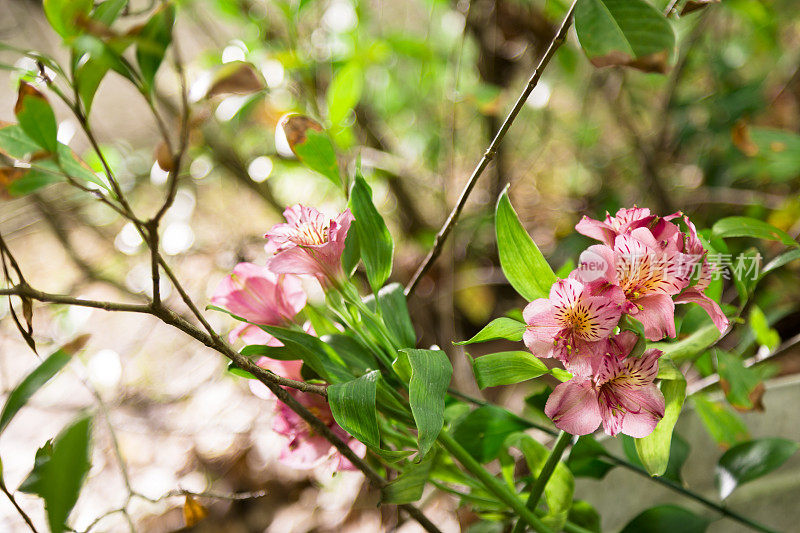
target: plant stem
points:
(562, 441)
(492, 484)
(686, 492)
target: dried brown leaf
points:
(164, 157)
(740, 136)
(296, 126)
(695, 5)
(26, 90)
(658, 62)
(193, 512)
(236, 77)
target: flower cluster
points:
(644, 266)
(308, 244)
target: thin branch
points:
(440, 238)
(19, 509)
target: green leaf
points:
(36, 117)
(375, 241)
(15, 143)
(507, 368)
(667, 519)
(759, 325)
(654, 449)
(317, 153)
(351, 254)
(584, 515)
(624, 32)
(690, 347)
(59, 472)
(394, 311)
(31, 181)
(238, 372)
(153, 41)
(750, 460)
(560, 487)
(724, 426)
(751, 227)
(63, 15)
(409, 485)
(586, 459)
(483, 431)
(430, 377)
(353, 407)
(108, 11)
(314, 352)
(36, 379)
(743, 386)
(781, 260)
(499, 328)
(523, 264)
(344, 91)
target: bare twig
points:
(440, 238)
(19, 509)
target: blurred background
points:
(425, 84)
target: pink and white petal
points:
(603, 316)
(598, 263)
(643, 421)
(596, 229)
(622, 343)
(691, 295)
(252, 334)
(285, 369)
(305, 452)
(359, 448)
(573, 407)
(566, 292)
(657, 315)
(612, 418)
(294, 261)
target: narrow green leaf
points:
(483, 431)
(375, 241)
(523, 264)
(108, 11)
(153, 41)
(409, 485)
(15, 143)
(624, 32)
(356, 357)
(782, 260)
(584, 515)
(499, 328)
(353, 407)
(654, 449)
(59, 472)
(759, 325)
(751, 227)
(430, 377)
(32, 181)
(690, 347)
(394, 311)
(750, 460)
(63, 15)
(317, 153)
(507, 368)
(344, 91)
(36, 379)
(724, 426)
(667, 519)
(314, 352)
(36, 117)
(586, 458)
(559, 490)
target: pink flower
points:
(261, 297)
(309, 243)
(622, 396)
(648, 273)
(305, 448)
(625, 221)
(695, 293)
(574, 324)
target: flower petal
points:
(573, 407)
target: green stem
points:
(492, 484)
(562, 441)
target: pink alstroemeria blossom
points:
(305, 448)
(259, 296)
(648, 274)
(309, 243)
(627, 220)
(574, 324)
(696, 293)
(621, 396)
